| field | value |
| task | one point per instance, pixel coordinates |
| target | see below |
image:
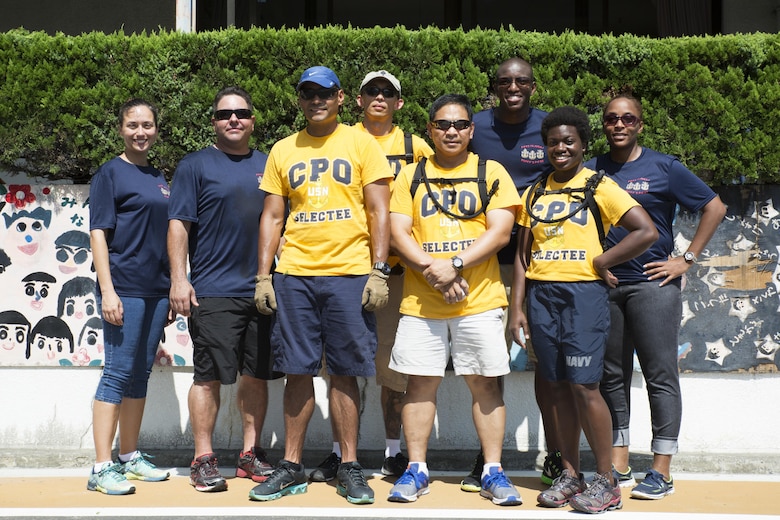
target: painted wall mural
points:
(49, 314)
(48, 306)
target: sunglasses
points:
(521, 81)
(322, 93)
(627, 119)
(241, 113)
(443, 124)
(374, 91)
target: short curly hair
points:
(568, 116)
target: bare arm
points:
(377, 196)
(641, 235)
(111, 304)
(182, 294)
(711, 216)
(270, 232)
(517, 318)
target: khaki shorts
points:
(507, 276)
(386, 326)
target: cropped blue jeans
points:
(130, 349)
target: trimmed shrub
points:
(708, 100)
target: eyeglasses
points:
(322, 93)
(627, 119)
(443, 124)
(522, 81)
(241, 113)
(374, 91)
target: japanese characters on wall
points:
(49, 313)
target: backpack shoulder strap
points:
(408, 148)
(417, 178)
(590, 190)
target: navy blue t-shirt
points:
(658, 182)
(219, 195)
(131, 203)
(519, 148)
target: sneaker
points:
(327, 469)
(497, 487)
(395, 466)
(254, 464)
(563, 488)
(653, 487)
(472, 483)
(411, 485)
(352, 484)
(110, 481)
(204, 474)
(600, 496)
(140, 468)
(623, 479)
(553, 466)
(287, 479)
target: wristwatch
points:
(689, 257)
(457, 263)
(383, 267)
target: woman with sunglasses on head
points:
(649, 291)
(128, 226)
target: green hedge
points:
(712, 101)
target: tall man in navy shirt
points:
(214, 212)
(510, 133)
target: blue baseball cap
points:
(320, 75)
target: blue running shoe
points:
(623, 479)
(653, 487)
(412, 484)
(499, 489)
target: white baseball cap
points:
(384, 75)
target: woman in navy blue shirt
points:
(646, 306)
(128, 228)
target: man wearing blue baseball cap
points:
(331, 275)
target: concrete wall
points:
(730, 421)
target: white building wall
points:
(47, 409)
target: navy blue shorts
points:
(569, 324)
(318, 315)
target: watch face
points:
(689, 257)
(457, 263)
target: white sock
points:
(487, 466)
(100, 466)
(337, 449)
(392, 447)
(127, 457)
(422, 467)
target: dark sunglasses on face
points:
(374, 91)
(443, 124)
(322, 93)
(241, 113)
(627, 119)
(521, 81)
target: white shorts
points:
(476, 343)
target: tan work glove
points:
(376, 292)
(265, 297)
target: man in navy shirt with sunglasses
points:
(214, 210)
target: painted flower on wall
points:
(19, 195)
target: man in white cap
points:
(380, 97)
(331, 275)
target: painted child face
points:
(13, 336)
(49, 346)
(80, 307)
